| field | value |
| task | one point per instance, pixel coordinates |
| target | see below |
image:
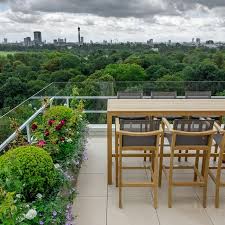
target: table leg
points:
(109, 147)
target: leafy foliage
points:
(59, 132)
(28, 170)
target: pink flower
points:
(62, 122)
(50, 122)
(34, 126)
(41, 143)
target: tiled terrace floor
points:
(97, 203)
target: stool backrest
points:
(130, 95)
(163, 95)
(198, 94)
(141, 127)
(193, 126)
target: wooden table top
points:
(165, 107)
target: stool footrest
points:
(133, 184)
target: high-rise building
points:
(150, 42)
(37, 37)
(193, 40)
(198, 41)
(27, 41)
(5, 41)
(210, 42)
(82, 40)
(79, 39)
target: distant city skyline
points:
(161, 20)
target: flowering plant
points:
(62, 133)
(59, 130)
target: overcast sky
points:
(122, 20)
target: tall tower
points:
(79, 35)
(37, 37)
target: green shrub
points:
(7, 207)
(60, 131)
(58, 113)
(28, 170)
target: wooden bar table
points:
(160, 108)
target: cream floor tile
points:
(139, 176)
(97, 203)
(90, 210)
(211, 190)
(136, 211)
(217, 215)
(92, 185)
(185, 211)
(94, 166)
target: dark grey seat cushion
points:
(187, 140)
(129, 141)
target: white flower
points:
(20, 219)
(69, 140)
(31, 214)
(18, 196)
(57, 166)
(39, 196)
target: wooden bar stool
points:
(219, 138)
(188, 134)
(127, 95)
(141, 136)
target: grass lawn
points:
(3, 53)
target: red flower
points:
(34, 126)
(41, 143)
(59, 127)
(50, 122)
(47, 133)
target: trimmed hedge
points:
(28, 170)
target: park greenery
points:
(101, 70)
(29, 71)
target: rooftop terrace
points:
(97, 202)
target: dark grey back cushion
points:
(163, 95)
(198, 94)
(139, 126)
(129, 95)
(192, 125)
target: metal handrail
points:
(26, 124)
(67, 99)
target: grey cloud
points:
(191, 4)
(113, 8)
(104, 8)
(24, 18)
